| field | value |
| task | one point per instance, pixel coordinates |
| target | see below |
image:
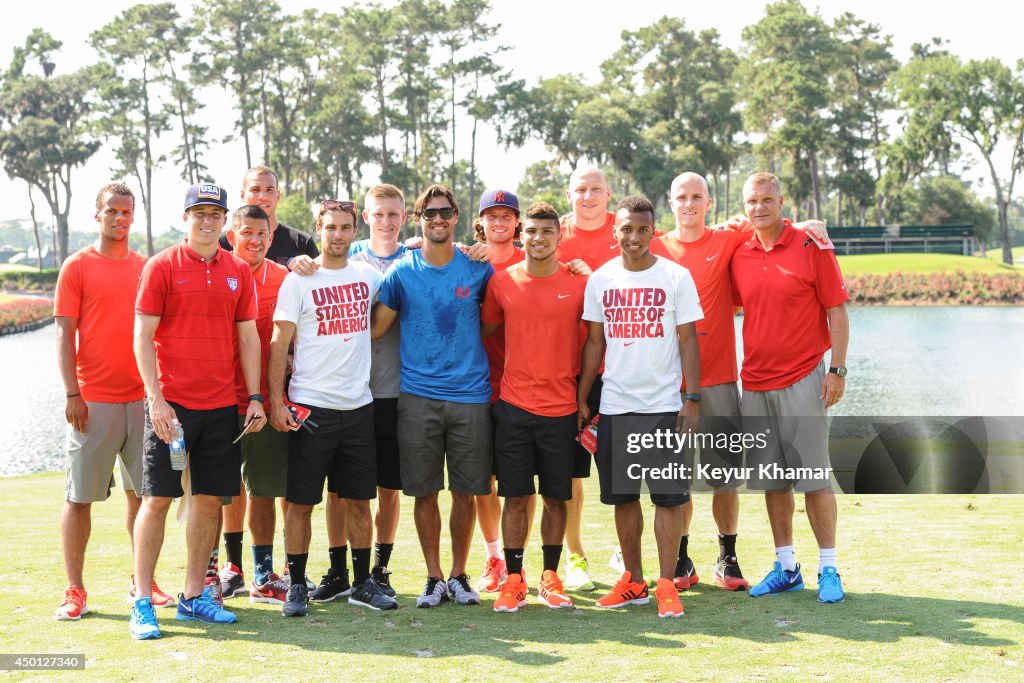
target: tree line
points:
(392, 91)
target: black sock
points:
(233, 547)
(339, 559)
(681, 560)
(360, 565)
(514, 560)
(382, 554)
(726, 545)
(297, 567)
(552, 556)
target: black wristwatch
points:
(691, 396)
(838, 370)
(256, 397)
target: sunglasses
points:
(336, 204)
(430, 214)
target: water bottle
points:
(178, 459)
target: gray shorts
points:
(264, 462)
(114, 432)
(795, 455)
(721, 424)
(431, 431)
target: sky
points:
(976, 29)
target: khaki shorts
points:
(264, 462)
(719, 418)
(795, 455)
(114, 432)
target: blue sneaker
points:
(830, 586)
(203, 609)
(778, 580)
(142, 623)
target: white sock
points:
(494, 549)
(786, 556)
(826, 558)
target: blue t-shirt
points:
(439, 309)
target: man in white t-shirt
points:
(328, 315)
(641, 310)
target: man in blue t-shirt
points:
(444, 403)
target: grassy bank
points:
(933, 593)
(883, 264)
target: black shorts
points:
(613, 461)
(215, 464)
(581, 465)
(342, 446)
(385, 425)
(525, 444)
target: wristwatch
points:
(691, 396)
(838, 370)
(256, 397)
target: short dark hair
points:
(431, 192)
(635, 203)
(114, 188)
(542, 210)
(249, 211)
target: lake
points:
(903, 362)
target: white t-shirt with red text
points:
(640, 311)
(331, 313)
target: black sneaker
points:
(295, 604)
(383, 578)
(369, 594)
(729, 576)
(332, 585)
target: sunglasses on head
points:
(335, 204)
(446, 213)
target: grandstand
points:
(955, 238)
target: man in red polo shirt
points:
(536, 305)
(794, 309)
(193, 298)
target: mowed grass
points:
(919, 263)
(18, 267)
(996, 254)
(933, 593)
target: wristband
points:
(256, 397)
(73, 395)
(689, 396)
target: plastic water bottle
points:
(178, 458)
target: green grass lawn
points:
(919, 263)
(18, 267)
(996, 254)
(933, 592)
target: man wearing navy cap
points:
(193, 299)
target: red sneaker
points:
(625, 592)
(273, 592)
(513, 594)
(495, 571)
(159, 598)
(669, 604)
(551, 592)
(73, 608)
(688, 579)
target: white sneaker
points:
(615, 561)
(434, 594)
(461, 592)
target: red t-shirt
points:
(785, 293)
(708, 259)
(266, 281)
(100, 293)
(595, 247)
(494, 345)
(539, 314)
(199, 300)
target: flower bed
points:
(956, 288)
(25, 314)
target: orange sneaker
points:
(513, 594)
(495, 571)
(626, 592)
(159, 598)
(73, 608)
(669, 604)
(551, 592)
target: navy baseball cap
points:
(493, 198)
(203, 193)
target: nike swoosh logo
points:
(629, 343)
(181, 282)
(348, 339)
(712, 258)
(564, 296)
(613, 246)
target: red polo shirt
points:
(199, 300)
(266, 283)
(708, 260)
(785, 293)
